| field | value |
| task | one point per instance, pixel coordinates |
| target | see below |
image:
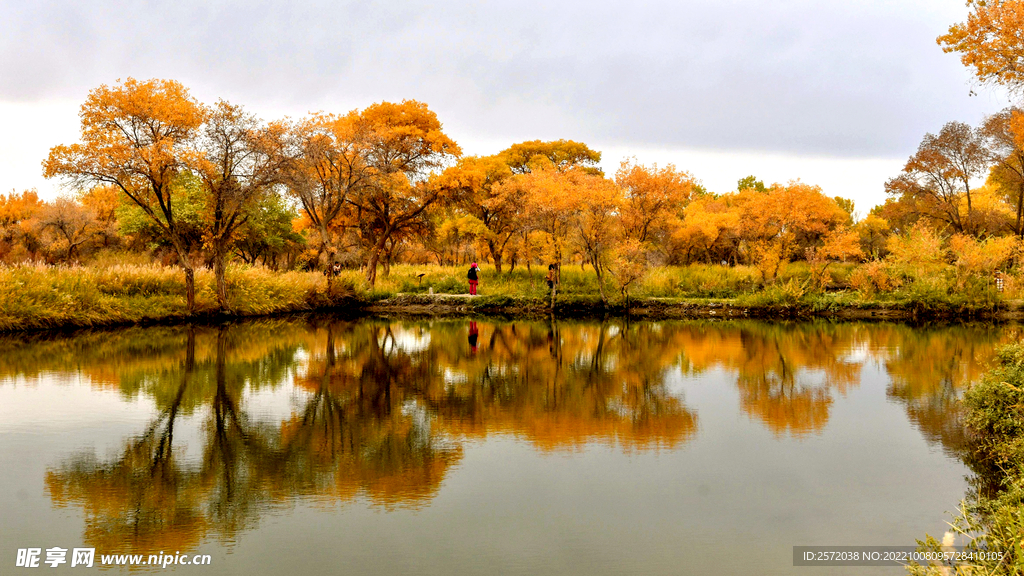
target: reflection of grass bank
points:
(48, 297)
(992, 516)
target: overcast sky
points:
(834, 93)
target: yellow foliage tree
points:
(990, 41)
(980, 258)
(137, 136)
(654, 198)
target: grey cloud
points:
(836, 79)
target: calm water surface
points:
(458, 447)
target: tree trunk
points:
(371, 266)
(600, 282)
(218, 272)
(495, 251)
(190, 276)
(1020, 210)
(190, 287)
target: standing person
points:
(474, 278)
(552, 279)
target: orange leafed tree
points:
(708, 224)
(19, 219)
(654, 198)
(1004, 138)
(404, 146)
(939, 175)
(562, 155)
(137, 136)
(990, 41)
(779, 221)
(329, 165)
(598, 228)
(476, 181)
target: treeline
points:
(158, 173)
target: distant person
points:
(474, 278)
(552, 276)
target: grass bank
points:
(683, 291)
(991, 518)
(40, 297)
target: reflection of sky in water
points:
(594, 451)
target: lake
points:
(450, 446)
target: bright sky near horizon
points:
(834, 94)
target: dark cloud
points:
(825, 78)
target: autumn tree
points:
(990, 42)
(404, 145)
(551, 158)
(103, 202)
(19, 224)
(628, 265)
(709, 230)
(938, 176)
(137, 136)
(551, 207)
(777, 223)
(837, 245)
(874, 231)
(560, 154)
(239, 161)
(848, 206)
(1004, 137)
(654, 198)
(329, 164)
(918, 254)
(597, 225)
(979, 259)
(70, 224)
(477, 182)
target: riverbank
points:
(840, 305)
(35, 297)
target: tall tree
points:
(239, 162)
(329, 165)
(137, 136)
(598, 229)
(1004, 137)
(990, 42)
(785, 219)
(939, 175)
(404, 146)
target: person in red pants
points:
(474, 278)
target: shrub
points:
(870, 279)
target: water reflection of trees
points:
(930, 367)
(787, 374)
(380, 409)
